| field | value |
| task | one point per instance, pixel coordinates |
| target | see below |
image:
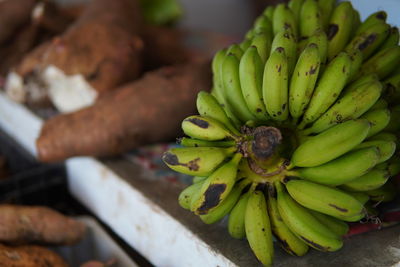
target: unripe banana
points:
(208, 106)
(327, 200)
(384, 194)
(385, 136)
(380, 104)
(326, 8)
(258, 228)
(392, 89)
(369, 181)
(349, 106)
(394, 125)
(360, 196)
(235, 50)
(310, 18)
(185, 197)
(219, 212)
(232, 90)
(205, 128)
(196, 161)
(275, 85)
(382, 63)
(374, 18)
(303, 81)
(328, 88)
(190, 142)
(392, 39)
(198, 179)
(269, 12)
(287, 239)
(372, 77)
(287, 41)
(295, 6)
(236, 226)
(251, 75)
(379, 119)
(217, 187)
(284, 20)
(304, 225)
(369, 40)
(245, 44)
(331, 143)
(386, 148)
(218, 89)
(339, 31)
(337, 226)
(356, 22)
(321, 40)
(394, 165)
(263, 42)
(356, 61)
(263, 24)
(341, 170)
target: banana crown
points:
(307, 105)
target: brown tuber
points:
(146, 111)
(40, 225)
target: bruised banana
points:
(205, 128)
(284, 19)
(197, 161)
(379, 119)
(375, 18)
(326, 8)
(190, 142)
(324, 199)
(287, 239)
(301, 222)
(287, 41)
(310, 18)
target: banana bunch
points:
(299, 133)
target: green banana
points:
(374, 18)
(392, 89)
(369, 40)
(205, 128)
(372, 77)
(385, 193)
(185, 197)
(251, 74)
(394, 165)
(394, 125)
(295, 6)
(310, 18)
(217, 186)
(258, 228)
(326, 7)
(328, 88)
(349, 106)
(337, 226)
(190, 142)
(321, 40)
(262, 22)
(284, 20)
(382, 63)
(369, 181)
(356, 22)
(386, 148)
(197, 161)
(236, 226)
(287, 41)
(360, 196)
(275, 85)
(385, 136)
(392, 39)
(330, 144)
(379, 119)
(341, 170)
(327, 200)
(263, 42)
(218, 89)
(356, 61)
(303, 81)
(304, 225)
(287, 239)
(226, 205)
(269, 12)
(245, 44)
(235, 50)
(198, 179)
(208, 106)
(380, 104)
(232, 90)
(339, 31)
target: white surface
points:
(20, 123)
(145, 226)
